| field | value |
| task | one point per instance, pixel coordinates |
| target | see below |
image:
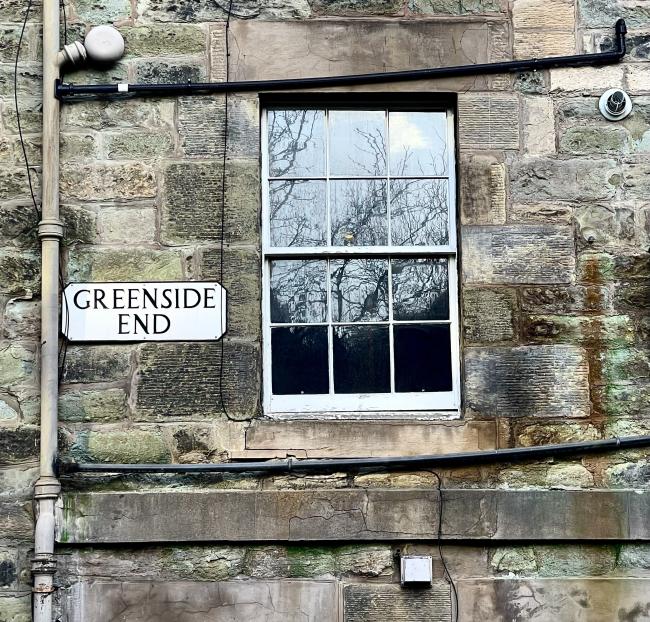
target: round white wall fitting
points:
(104, 44)
(615, 104)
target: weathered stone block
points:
(544, 213)
(488, 315)
(122, 446)
(15, 608)
(531, 43)
(527, 381)
(80, 224)
(30, 80)
(234, 601)
(637, 79)
(455, 7)
(102, 11)
(107, 181)
(201, 126)
(91, 363)
(242, 280)
(581, 140)
(482, 190)
(93, 406)
(172, 72)
(573, 180)
(209, 11)
(357, 9)
(102, 114)
(324, 47)
(545, 14)
(518, 254)
(186, 379)
(530, 435)
(163, 40)
(365, 438)
(193, 194)
(586, 79)
(138, 145)
(485, 121)
(611, 331)
(378, 603)
(623, 400)
(17, 364)
(20, 272)
(124, 265)
(118, 225)
(538, 123)
(18, 445)
(76, 147)
(603, 13)
(563, 300)
(9, 36)
(636, 180)
(569, 476)
(14, 183)
(633, 297)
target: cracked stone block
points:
(379, 603)
(228, 601)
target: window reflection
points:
(361, 359)
(419, 212)
(298, 213)
(359, 290)
(298, 291)
(420, 289)
(359, 213)
(357, 142)
(418, 143)
(299, 359)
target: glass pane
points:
(357, 142)
(420, 289)
(298, 213)
(422, 357)
(419, 212)
(298, 291)
(296, 143)
(359, 289)
(299, 360)
(418, 143)
(359, 214)
(361, 359)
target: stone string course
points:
(554, 227)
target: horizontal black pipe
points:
(70, 90)
(292, 465)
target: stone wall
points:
(554, 224)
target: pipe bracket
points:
(50, 229)
(47, 488)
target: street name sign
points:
(162, 311)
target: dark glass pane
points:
(422, 357)
(359, 212)
(357, 142)
(296, 143)
(299, 360)
(419, 212)
(298, 213)
(418, 144)
(359, 290)
(298, 291)
(420, 289)
(361, 359)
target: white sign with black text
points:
(170, 311)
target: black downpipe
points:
(292, 465)
(64, 91)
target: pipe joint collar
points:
(51, 229)
(44, 563)
(47, 488)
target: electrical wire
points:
(223, 202)
(20, 128)
(65, 22)
(63, 349)
(447, 574)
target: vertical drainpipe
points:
(50, 231)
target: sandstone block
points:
(595, 140)
(20, 272)
(75, 147)
(603, 13)
(566, 300)
(528, 381)
(636, 180)
(14, 183)
(539, 125)
(164, 391)
(531, 43)
(80, 224)
(455, 7)
(482, 190)
(217, 52)
(124, 446)
(107, 181)
(569, 476)
(377, 603)
(242, 280)
(101, 115)
(15, 608)
(485, 121)
(637, 79)
(18, 445)
(9, 36)
(93, 406)
(356, 9)
(168, 71)
(209, 11)
(138, 146)
(92, 363)
(574, 180)
(17, 364)
(102, 11)
(163, 40)
(30, 80)
(546, 14)
(613, 331)
(488, 315)
(118, 225)
(518, 254)
(587, 79)
(124, 265)
(550, 213)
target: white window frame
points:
(424, 405)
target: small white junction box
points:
(416, 570)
